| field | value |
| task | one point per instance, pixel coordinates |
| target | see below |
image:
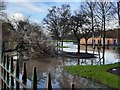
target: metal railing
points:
(10, 77)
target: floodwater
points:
(61, 79)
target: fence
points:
(10, 76)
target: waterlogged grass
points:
(63, 40)
(68, 40)
(61, 46)
(97, 73)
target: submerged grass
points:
(97, 73)
(61, 46)
(68, 40)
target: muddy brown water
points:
(62, 79)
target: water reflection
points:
(112, 54)
(118, 51)
(61, 79)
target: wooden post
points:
(100, 42)
(48, 83)
(3, 48)
(2, 58)
(78, 61)
(34, 79)
(11, 70)
(7, 66)
(108, 43)
(114, 42)
(99, 54)
(72, 86)
(17, 75)
(4, 73)
(24, 75)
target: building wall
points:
(97, 41)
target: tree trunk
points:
(78, 61)
(78, 41)
(118, 4)
(57, 42)
(86, 44)
(103, 39)
(92, 26)
(62, 44)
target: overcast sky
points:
(36, 10)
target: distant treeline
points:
(112, 33)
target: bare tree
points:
(77, 25)
(118, 12)
(116, 15)
(88, 8)
(2, 19)
(51, 22)
(65, 15)
(2, 8)
(31, 39)
(103, 13)
(57, 20)
(87, 33)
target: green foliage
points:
(97, 73)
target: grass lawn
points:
(97, 73)
(61, 46)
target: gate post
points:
(24, 75)
(72, 86)
(17, 75)
(48, 83)
(34, 79)
(11, 70)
